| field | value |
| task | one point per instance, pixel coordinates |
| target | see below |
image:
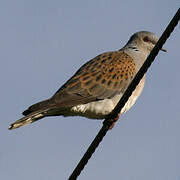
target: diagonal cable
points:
(111, 118)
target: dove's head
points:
(144, 41)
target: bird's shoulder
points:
(105, 69)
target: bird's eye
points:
(146, 39)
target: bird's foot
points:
(112, 121)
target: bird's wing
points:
(100, 78)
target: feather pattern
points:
(103, 77)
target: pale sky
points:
(42, 44)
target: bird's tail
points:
(30, 118)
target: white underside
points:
(100, 109)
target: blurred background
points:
(42, 44)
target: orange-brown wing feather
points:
(102, 77)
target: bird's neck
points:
(136, 53)
(132, 47)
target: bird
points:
(96, 88)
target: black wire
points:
(111, 118)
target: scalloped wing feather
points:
(102, 77)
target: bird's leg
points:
(114, 121)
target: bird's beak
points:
(162, 49)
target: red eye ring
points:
(146, 39)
